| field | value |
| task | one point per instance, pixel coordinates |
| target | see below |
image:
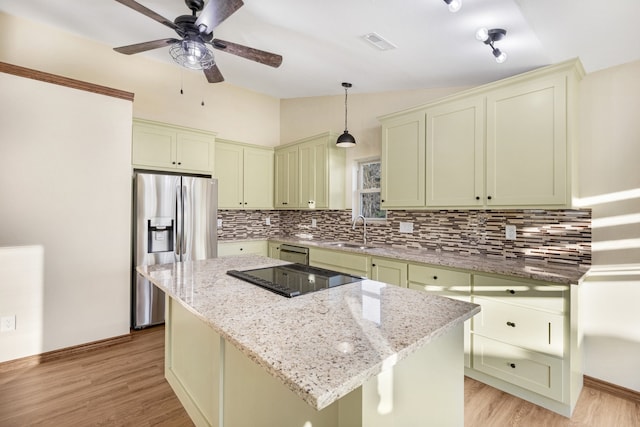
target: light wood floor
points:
(124, 385)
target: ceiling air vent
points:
(378, 41)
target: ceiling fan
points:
(196, 34)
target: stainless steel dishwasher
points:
(291, 253)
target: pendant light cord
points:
(345, 109)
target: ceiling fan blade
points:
(148, 12)
(215, 12)
(213, 74)
(267, 58)
(143, 47)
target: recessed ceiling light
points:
(378, 41)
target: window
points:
(369, 190)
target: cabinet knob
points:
(245, 203)
(239, 203)
(489, 197)
(511, 291)
(373, 265)
(513, 325)
(435, 277)
(512, 365)
(284, 203)
(173, 163)
(179, 163)
(382, 201)
(241, 249)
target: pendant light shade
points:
(346, 139)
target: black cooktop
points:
(292, 280)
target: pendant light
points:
(346, 139)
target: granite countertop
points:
(475, 263)
(321, 345)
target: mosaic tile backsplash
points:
(557, 236)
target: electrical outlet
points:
(219, 223)
(314, 224)
(8, 323)
(406, 227)
(510, 232)
(267, 220)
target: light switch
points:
(510, 232)
(406, 227)
(219, 223)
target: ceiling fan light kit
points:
(346, 140)
(192, 54)
(194, 48)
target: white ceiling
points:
(321, 42)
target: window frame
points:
(357, 207)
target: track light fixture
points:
(346, 139)
(454, 5)
(488, 37)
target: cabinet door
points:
(257, 247)
(258, 178)
(286, 178)
(229, 171)
(403, 161)
(388, 271)
(194, 152)
(455, 153)
(274, 250)
(153, 146)
(313, 173)
(527, 144)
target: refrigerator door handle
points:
(179, 224)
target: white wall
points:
(610, 185)
(65, 187)
(232, 112)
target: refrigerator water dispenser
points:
(160, 235)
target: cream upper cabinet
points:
(161, 146)
(245, 176)
(455, 153)
(403, 161)
(527, 143)
(505, 144)
(286, 178)
(310, 174)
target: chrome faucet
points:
(364, 227)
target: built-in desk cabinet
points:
(310, 174)
(505, 144)
(160, 146)
(245, 175)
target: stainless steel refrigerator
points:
(174, 219)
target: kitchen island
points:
(361, 354)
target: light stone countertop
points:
(556, 273)
(321, 345)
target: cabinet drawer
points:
(533, 371)
(340, 261)
(522, 292)
(533, 329)
(439, 279)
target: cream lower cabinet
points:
(257, 247)
(314, 169)
(344, 262)
(274, 250)
(448, 283)
(525, 340)
(245, 176)
(389, 271)
(160, 146)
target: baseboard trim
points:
(613, 389)
(29, 361)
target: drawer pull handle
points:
(513, 325)
(511, 291)
(512, 365)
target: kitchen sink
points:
(350, 245)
